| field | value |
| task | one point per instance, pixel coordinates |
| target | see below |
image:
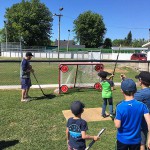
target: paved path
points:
(3, 87)
(33, 86)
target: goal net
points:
(79, 75)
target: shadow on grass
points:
(6, 144)
(79, 90)
(46, 96)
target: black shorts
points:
(122, 146)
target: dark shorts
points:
(71, 148)
(121, 146)
(25, 83)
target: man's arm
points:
(147, 118)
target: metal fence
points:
(46, 71)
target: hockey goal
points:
(79, 75)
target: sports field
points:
(40, 124)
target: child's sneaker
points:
(104, 116)
(111, 116)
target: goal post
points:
(79, 75)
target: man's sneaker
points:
(25, 100)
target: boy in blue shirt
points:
(76, 128)
(128, 118)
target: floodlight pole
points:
(59, 18)
(6, 34)
(149, 34)
(68, 41)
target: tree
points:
(118, 42)
(30, 20)
(89, 29)
(107, 43)
(2, 35)
(129, 39)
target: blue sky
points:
(119, 16)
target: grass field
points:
(40, 124)
(47, 73)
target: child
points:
(107, 87)
(143, 95)
(76, 128)
(128, 118)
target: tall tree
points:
(107, 43)
(89, 29)
(30, 20)
(129, 39)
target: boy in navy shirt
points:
(76, 128)
(128, 118)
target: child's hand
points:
(96, 138)
(122, 76)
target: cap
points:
(77, 107)
(128, 85)
(144, 76)
(103, 74)
(28, 54)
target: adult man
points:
(25, 70)
(143, 95)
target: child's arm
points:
(67, 135)
(117, 123)
(111, 77)
(88, 137)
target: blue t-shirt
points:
(75, 126)
(130, 114)
(25, 64)
(143, 95)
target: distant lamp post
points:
(149, 35)
(21, 39)
(68, 40)
(59, 17)
(5, 23)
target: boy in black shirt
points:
(76, 128)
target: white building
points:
(148, 46)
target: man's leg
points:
(23, 95)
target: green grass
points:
(40, 124)
(47, 73)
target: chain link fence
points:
(47, 71)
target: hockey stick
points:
(90, 145)
(116, 62)
(39, 85)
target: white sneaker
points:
(25, 100)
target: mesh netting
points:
(79, 75)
